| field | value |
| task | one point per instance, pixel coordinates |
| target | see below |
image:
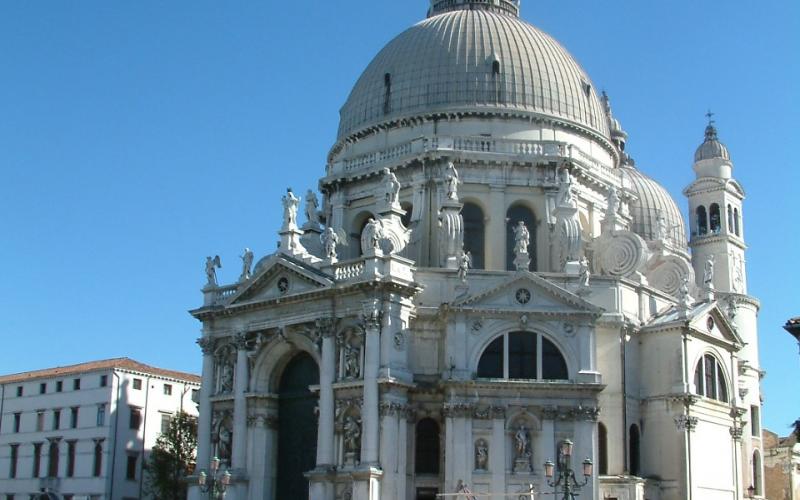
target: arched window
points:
(426, 453)
(514, 215)
(633, 452)
(409, 210)
(602, 449)
(757, 473)
(522, 355)
(702, 220)
(736, 221)
(730, 219)
(714, 218)
(709, 379)
(474, 234)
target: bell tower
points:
(715, 214)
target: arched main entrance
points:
(297, 431)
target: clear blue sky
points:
(138, 137)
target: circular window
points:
(710, 323)
(283, 285)
(523, 296)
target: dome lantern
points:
(711, 148)
(510, 7)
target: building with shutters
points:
(81, 432)
(486, 274)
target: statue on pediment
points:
(290, 204)
(212, 264)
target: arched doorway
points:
(297, 431)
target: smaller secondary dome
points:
(653, 202)
(711, 147)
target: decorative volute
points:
(510, 7)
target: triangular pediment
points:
(278, 277)
(525, 291)
(709, 321)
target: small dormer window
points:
(495, 68)
(387, 93)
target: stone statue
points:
(522, 238)
(708, 273)
(565, 194)
(312, 208)
(352, 363)
(329, 240)
(373, 233)
(247, 263)
(211, 269)
(584, 272)
(521, 442)
(224, 442)
(452, 180)
(738, 275)
(391, 188)
(225, 377)
(464, 264)
(613, 201)
(683, 295)
(290, 203)
(352, 435)
(481, 455)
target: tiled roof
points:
(106, 364)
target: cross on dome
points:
(510, 7)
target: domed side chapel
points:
(486, 276)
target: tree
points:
(172, 458)
(796, 426)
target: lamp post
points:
(217, 484)
(751, 491)
(566, 479)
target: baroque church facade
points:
(486, 275)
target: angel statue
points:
(329, 240)
(452, 180)
(373, 233)
(247, 263)
(290, 203)
(211, 269)
(391, 187)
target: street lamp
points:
(566, 476)
(751, 491)
(217, 484)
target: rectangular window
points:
(101, 415)
(195, 395)
(97, 466)
(130, 467)
(56, 420)
(9, 497)
(19, 391)
(53, 455)
(73, 417)
(103, 380)
(755, 424)
(70, 458)
(43, 388)
(76, 384)
(137, 384)
(40, 420)
(17, 421)
(37, 459)
(168, 389)
(59, 386)
(165, 420)
(12, 468)
(136, 418)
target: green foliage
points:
(796, 426)
(172, 458)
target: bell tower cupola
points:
(509, 7)
(715, 212)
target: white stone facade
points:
(80, 420)
(494, 276)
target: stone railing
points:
(348, 270)
(474, 144)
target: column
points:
(372, 359)
(496, 229)
(239, 458)
(325, 435)
(388, 454)
(204, 419)
(450, 481)
(497, 449)
(585, 444)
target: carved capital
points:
(206, 345)
(325, 327)
(685, 423)
(371, 314)
(240, 341)
(736, 432)
(482, 413)
(390, 408)
(499, 412)
(265, 421)
(455, 410)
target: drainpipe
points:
(144, 435)
(114, 434)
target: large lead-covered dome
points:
(473, 56)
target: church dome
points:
(654, 201)
(711, 147)
(473, 56)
